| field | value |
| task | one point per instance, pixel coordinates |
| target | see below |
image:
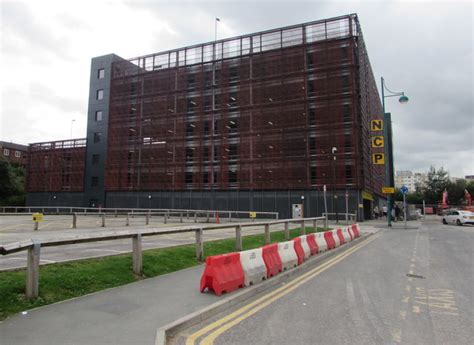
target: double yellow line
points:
(220, 326)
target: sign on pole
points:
(388, 190)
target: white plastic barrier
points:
(288, 256)
(347, 236)
(349, 230)
(305, 246)
(321, 242)
(253, 266)
(336, 238)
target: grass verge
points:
(62, 281)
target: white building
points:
(409, 179)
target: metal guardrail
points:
(86, 210)
(33, 247)
(347, 217)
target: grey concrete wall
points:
(266, 201)
(55, 199)
(93, 126)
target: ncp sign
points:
(377, 142)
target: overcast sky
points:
(421, 47)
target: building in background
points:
(410, 179)
(469, 177)
(14, 153)
(245, 123)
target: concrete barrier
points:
(337, 241)
(313, 246)
(253, 265)
(347, 236)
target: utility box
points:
(297, 210)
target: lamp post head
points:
(403, 99)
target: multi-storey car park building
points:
(245, 123)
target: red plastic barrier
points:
(313, 246)
(298, 249)
(272, 259)
(355, 229)
(341, 236)
(223, 273)
(329, 240)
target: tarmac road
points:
(401, 287)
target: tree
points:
(12, 184)
(437, 182)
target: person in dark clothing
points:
(397, 212)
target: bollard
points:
(238, 238)
(147, 219)
(103, 220)
(36, 226)
(195, 217)
(180, 217)
(287, 231)
(137, 254)
(207, 218)
(187, 214)
(315, 225)
(303, 228)
(127, 221)
(199, 245)
(325, 222)
(32, 270)
(230, 217)
(74, 221)
(166, 218)
(267, 233)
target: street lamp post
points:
(334, 198)
(389, 147)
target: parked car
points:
(458, 217)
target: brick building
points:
(245, 123)
(14, 153)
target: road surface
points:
(401, 286)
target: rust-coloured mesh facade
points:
(260, 111)
(56, 166)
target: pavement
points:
(362, 300)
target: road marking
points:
(105, 250)
(248, 310)
(14, 226)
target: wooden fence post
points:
(199, 244)
(32, 270)
(267, 233)
(287, 231)
(137, 254)
(238, 238)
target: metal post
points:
(230, 217)
(32, 270)
(137, 254)
(181, 217)
(347, 206)
(166, 217)
(405, 209)
(127, 222)
(74, 221)
(287, 231)
(238, 238)
(303, 228)
(195, 217)
(199, 245)
(103, 220)
(36, 226)
(147, 219)
(326, 222)
(315, 225)
(207, 217)
(424, 210)
(325, 205)
(267, 233)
